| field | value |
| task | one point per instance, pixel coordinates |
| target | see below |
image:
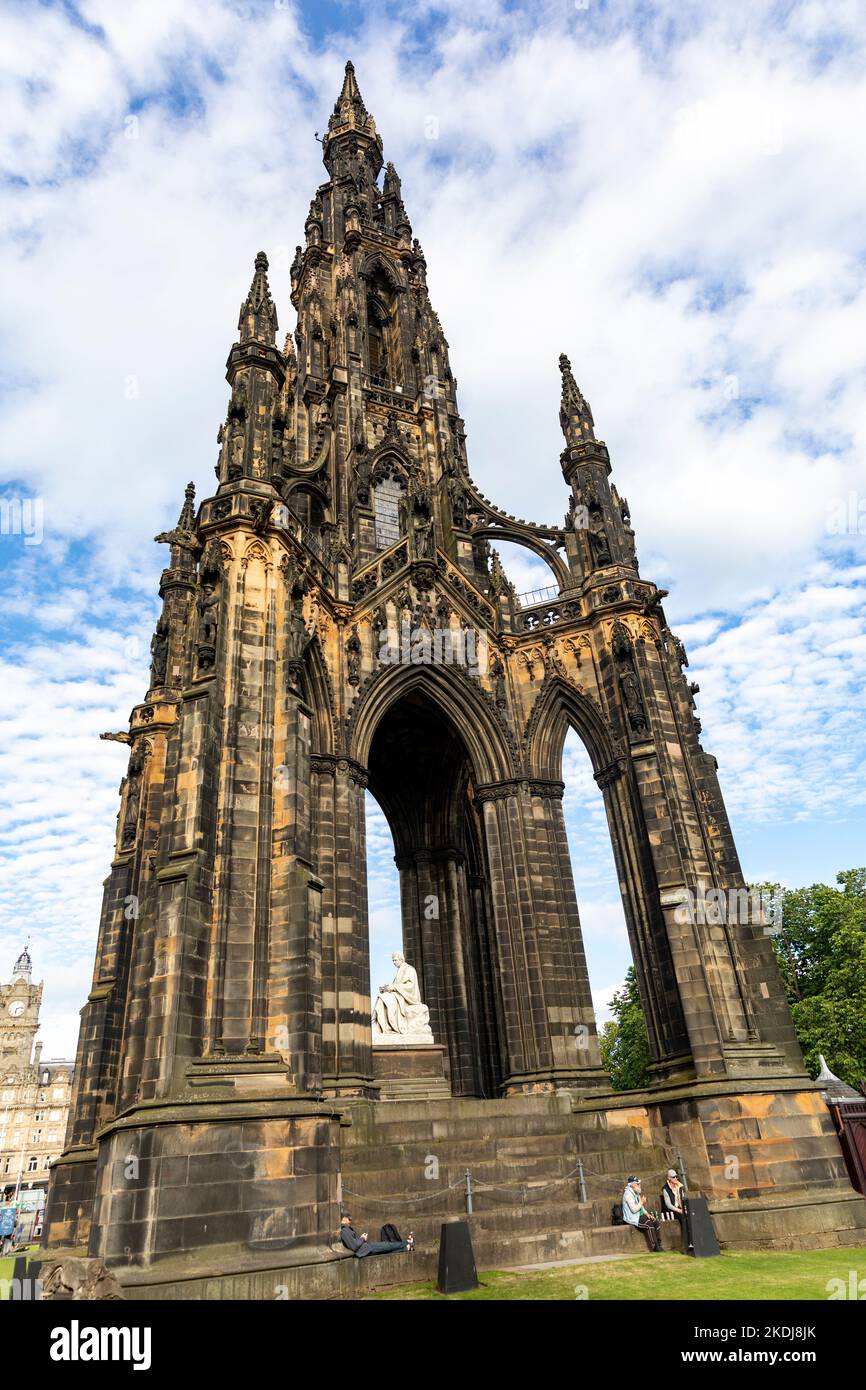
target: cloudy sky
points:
(671, 193)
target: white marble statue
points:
(399, 1017)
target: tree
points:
(820, 944)
(624, 1043)
(821, 950)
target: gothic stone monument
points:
(226, 1042)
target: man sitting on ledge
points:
(635, 1214)
(360, 1245)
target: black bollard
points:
(699, 1236)
(457, 1271)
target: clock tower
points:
(20, 1001)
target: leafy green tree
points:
(624, 1044)
(821, 950)
(820, 944)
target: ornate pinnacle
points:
(185, 521)
(575, 415)
(350, 103)
(258, 316)
(182, 539)
(350, 116)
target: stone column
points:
(548, 1025)
(342, 865)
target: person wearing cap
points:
(635, 1214)
(361, 1246)
(672, 1197)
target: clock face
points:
(16, 1008)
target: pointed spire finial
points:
(182, 538)
(187, 512)
(575, 415)
(258, 316)
(350, 91)
(351, 117)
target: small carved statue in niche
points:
(457, 496)
(238, 403)
(598, 541)
(353, 651)
(497, 676)
(628, 681)
(133, 796)
(208, 603)
(159, 652)
(208, 609)
(422, 535)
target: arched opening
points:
(562, 708)
(388, 493)
(533, 566)
(383, 895)
(602, 918)
(377, 340)
(382, 347)
(422, 778)
(308, 507)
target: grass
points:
(741, 1275)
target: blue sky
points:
(668, 192)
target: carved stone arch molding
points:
(388, 462)
(256, 551)
(377, 262)
(559, 707)
(545, 552)
(488, 740)
(318, 691)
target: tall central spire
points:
(351, 127)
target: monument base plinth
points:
(411, 1071)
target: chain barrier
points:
(473, 1185)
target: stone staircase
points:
(405, 1162)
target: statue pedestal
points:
(411, 1071)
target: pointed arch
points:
(320, 697)
(459, 697)
(377, 263)
(256, 551)
(558, 707)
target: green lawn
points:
(746, 1275)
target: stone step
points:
(387, 1112)
(444, 1131)
(410, 1163)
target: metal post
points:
(468, 1192)
(580, 1180)
(682, 1168)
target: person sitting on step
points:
(361, 1246)
(635, 1214)
(672, 1197)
